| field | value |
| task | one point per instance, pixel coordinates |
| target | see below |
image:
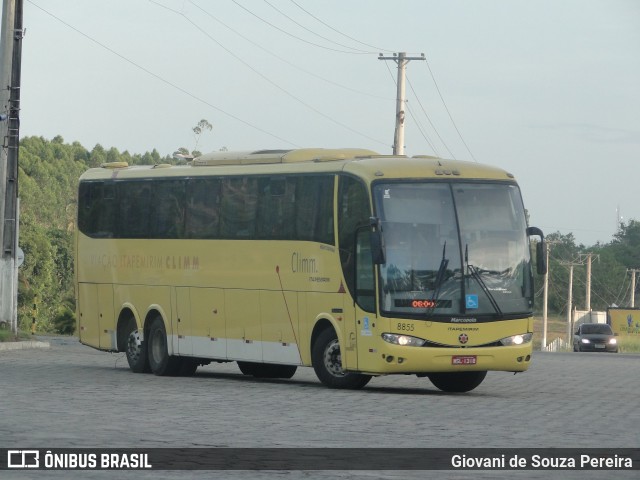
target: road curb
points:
(4, 346)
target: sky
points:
(549, 90)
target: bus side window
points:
(134, 200)
(96, 209)
(167, 218)
(314, 209)
(353, 212)
(276, 207)
(238, 207)
(203, 208)
(365, 279)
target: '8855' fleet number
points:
(405, 327)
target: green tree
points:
(97, 156)
(626, 244)
(184, 153)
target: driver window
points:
(365, 281)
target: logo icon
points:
(463, 338)
(471, 302)
(23, 459)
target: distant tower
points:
(619, 218)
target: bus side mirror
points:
(541, 250)
(378, 251)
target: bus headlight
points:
(403, 340)
(517, 339)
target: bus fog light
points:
(403, 340)
(517, 339)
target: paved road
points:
(73, 396)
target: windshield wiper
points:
(444, 263)
(475, 273)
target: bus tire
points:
(136, 348)
(160, 361)
(267, 370)
(457, 382)
(327, 363)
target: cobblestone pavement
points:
(71, 396)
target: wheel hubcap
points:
(333, 359)
(133, 346)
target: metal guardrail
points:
(558, 345)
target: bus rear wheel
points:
(136, 348)
(457, 382)
(160, 361)
(327, 363)
(267, 370)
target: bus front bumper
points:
(401, 359)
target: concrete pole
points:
(12, 146)
(6, 62)
(570, 307)
(633, 288)
(545, 301)
(398, 137)
(401, 59)
(588, 295)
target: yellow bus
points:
(354, 263)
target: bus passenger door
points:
(106, 317)
(183, 336)
(244, 332)
(88, 323)
(207, 323)
(365, 308)
(280, 332)
(96, 315)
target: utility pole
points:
(401, 59)
(589, 259)
(570, 298)
(10, 70)
(570, 307)
(633, 271)
(545, 301)
(588, 294)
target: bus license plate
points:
(464, 360)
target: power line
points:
(294, 36)
(447, 109)
(284, 60)
(338, 31)
(163, 80)
(267, 79)
(311, 31)
(428, 118)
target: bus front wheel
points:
(136, 349)
(327, 362)
(160, 361)
(457, 382)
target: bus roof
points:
(366, 164)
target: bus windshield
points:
(454, 249)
